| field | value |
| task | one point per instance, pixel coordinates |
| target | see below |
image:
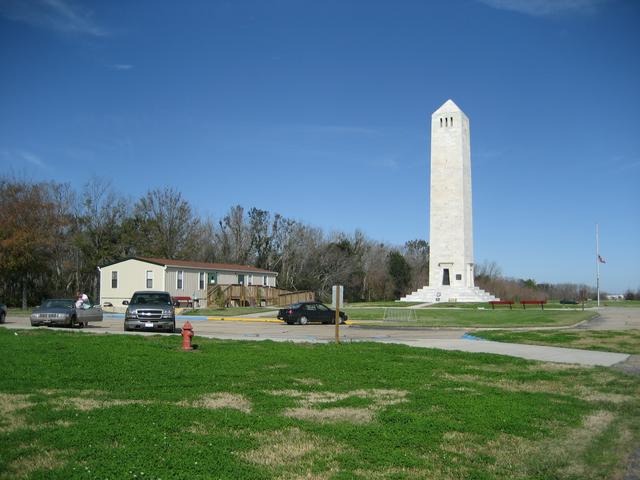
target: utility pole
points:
(337, 288)
(598, 263)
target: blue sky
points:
(320, 111)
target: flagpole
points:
(598, 264)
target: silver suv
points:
(149, 310)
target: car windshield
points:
(151, 299)
(294, 306)
(58, 303)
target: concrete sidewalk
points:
(529, 352)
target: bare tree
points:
(167, 225)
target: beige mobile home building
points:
(181, 278)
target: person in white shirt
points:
(79, 301)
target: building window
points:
(458, 276)
(240, 279)
(180, 280)
(149, 278)
(440, 123)
(452, 121)
(201, 281)
(446, 122)
(264, 280)
(213, 278)
(114, 279)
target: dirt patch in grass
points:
(401, 472)
(309, 403)
(543, 386)
(332, 415)
(595, 396)
(219, 400)
(307, 381)
(10, 407)
(59, 391)
(85, 404)
(198, 428)
(291, 450)
(40, 459)
(521, 456)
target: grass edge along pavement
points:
(621, 341)
(481, 318)
(77, 406)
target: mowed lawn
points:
(623, 341)
(464, 317)
(77, 405)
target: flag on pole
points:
(600, 259)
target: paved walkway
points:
(529, 352)
(613, 318)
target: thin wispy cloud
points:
(390, 163)
(624, 164)
(22, 156)
(122, 66)
(57, 15)
(542, 8)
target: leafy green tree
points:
(400, 273)
(31, 229)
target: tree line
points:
(53, 237)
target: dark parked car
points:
(63, 312)
(3, 312)
(149, 310)
(568, 302)
(306, 312)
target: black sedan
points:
(306, 312)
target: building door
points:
(241, 279)
(445, 277)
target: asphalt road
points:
(254, 329)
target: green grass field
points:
(431, 317)
(76, 405)
(623, 341)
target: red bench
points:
(182, 300)
(532, 302)
(501, 302)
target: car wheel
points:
(303, 320)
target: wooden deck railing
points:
(253, 295)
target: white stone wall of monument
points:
(451, 264)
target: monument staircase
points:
(449, 294)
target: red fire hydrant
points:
(187, 333)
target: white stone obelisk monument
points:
(450, 215)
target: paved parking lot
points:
(255, 330)
(446, 339)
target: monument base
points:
(449, 294)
